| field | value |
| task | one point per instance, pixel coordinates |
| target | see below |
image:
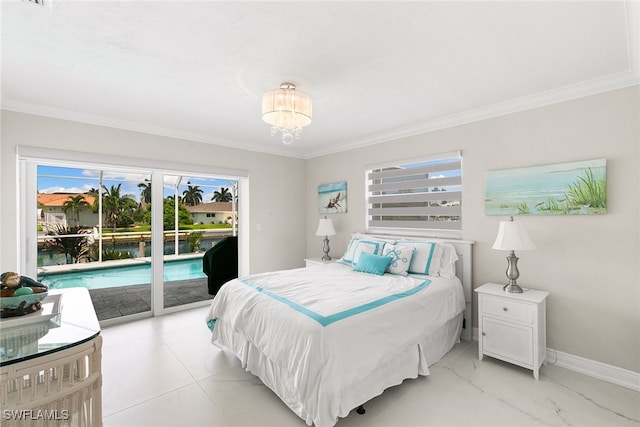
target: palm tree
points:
(222, 195)
(192, 196)
(145, 192)
(74, 204)
(95, 193)
(114, 205)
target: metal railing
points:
(142, 237)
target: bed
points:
(330, 337)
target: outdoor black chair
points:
(220, 263)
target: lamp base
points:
(513, 288)
(326, 250)
(512, 274)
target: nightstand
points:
(512, 327)
(317, 261)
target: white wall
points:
(2, 191)
(588, 263)
(282, 219)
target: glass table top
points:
(51, 329)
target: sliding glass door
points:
(198, 212)
(135, 238)
(93, 231)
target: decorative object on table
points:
(287, 110)
(50, 310)
(20, 295)
(325, 228)
(576, 188)
(332, 198)
(512, 237)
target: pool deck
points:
(114, 302)
(111, 303)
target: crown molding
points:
(566, 93)
(91, 119)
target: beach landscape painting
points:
(332, 198)
(576, 188)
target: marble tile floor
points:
(164, 372)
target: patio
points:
(112, 303)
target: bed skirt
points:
(409, 364)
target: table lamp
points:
(325, 228)
(512, 237)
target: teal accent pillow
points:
(372, 264)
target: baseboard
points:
(613, 374)
(602, 371)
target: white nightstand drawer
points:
(507, 309)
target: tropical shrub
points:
(113, 254)
(169, 214)
(194, 239)
(74, 242)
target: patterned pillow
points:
(400, 258)
(372, 264)
(427, 257)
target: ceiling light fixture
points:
(287, 110)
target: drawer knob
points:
(505, 309)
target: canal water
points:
(47, 258)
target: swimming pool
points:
(112, 277)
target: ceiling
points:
(376, 70)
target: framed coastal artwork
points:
(577, 188)
(332, 198)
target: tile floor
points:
(119, 301)
(164, 372)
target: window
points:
(57, 192)
(416, 196)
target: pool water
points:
(112, 277)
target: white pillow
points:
(359, 244)
(448, 262)
(426, 258)
(400, 258)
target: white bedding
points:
(313, 334)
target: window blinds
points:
(423, 195)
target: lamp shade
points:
(512, 236)
(286, 107)
(325, 228)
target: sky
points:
(55, 179)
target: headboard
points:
(463, 271)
